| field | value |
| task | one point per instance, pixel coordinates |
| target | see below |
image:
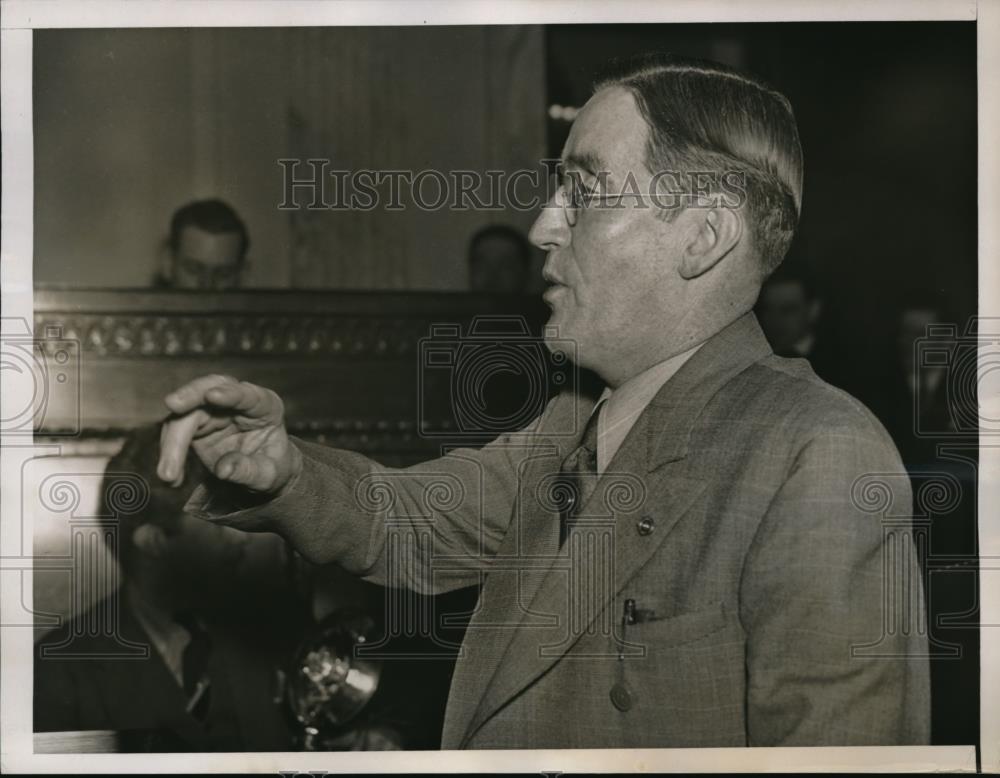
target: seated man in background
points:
(206, 249)
(210, 681)
(789, 310)
(912, 398)
(499, 260)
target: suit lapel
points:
(249, 681)
(656, 448)
(528, 551)
(601, 556)
(129, 683)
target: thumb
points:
(254, 472)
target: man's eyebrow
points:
(591, 163)
(587, 161)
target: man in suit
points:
(208, 678)
(701, 558)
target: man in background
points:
(789, 309)
(210, 681)
(915, 395)
(924, 391)
(499, 260)
(206, 248)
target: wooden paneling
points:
(131, 124)
(351, 367)
(439, 99)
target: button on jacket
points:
(748, 517)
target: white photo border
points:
(18, 18)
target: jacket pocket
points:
(679, 628)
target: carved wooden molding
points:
(346, 364)
(229, 335)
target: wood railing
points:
(393, 375)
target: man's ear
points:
(150, 539)
(815, 309)
(718, 232)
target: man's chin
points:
(555, 327)
(560, 338)
(552, 334)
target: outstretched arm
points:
(431, 527)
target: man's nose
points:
(550, 229)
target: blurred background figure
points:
(499, 260)
(789, 310)
(216, 641)
(914, 397)
(921, 402)
(206, 248)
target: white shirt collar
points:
(626, 403)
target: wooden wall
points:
(130, 124)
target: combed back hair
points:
(703, 116)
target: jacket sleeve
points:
(832, 601)
(432, 527)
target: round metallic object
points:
(329, 684)
(621, 697)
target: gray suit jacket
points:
(757, 519)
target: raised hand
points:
(237, 429)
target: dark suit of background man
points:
(209, 681)
(697, 561)
(789, 309)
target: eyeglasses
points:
(573, 195)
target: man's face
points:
(202, 560)
(206, 260)
(913, 324)
(615, 288)
(497, 265)
(204, 545)
(785, 314)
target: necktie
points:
(578, 476)
(194, 666)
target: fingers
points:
(257, 473)
(175, 439)
(192, 394)
(246, 399)
(225, 392)
(196, 410)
